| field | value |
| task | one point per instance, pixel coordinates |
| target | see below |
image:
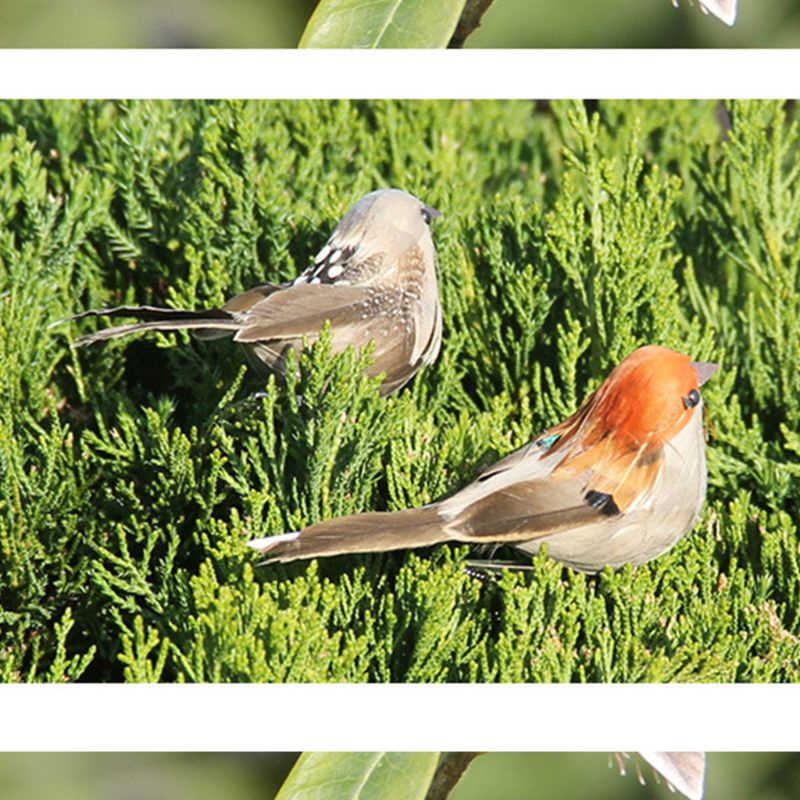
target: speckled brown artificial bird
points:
(374, 280)
(620, 481)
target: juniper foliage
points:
(132, 473)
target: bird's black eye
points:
(429, 213)
(691, 399)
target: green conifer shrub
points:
(133, 472)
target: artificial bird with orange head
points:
(620, 481)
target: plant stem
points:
(448, 773)
(469, 21)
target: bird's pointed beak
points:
(704, 370)
(433, 212)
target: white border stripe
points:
(371, 717)
(492, 74)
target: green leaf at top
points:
(360, 776)
(382, 23)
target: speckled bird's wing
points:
(357, 314)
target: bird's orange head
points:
(650, 396)
(619, 432)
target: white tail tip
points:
(722, 9)
(683, 771)
(268, 542)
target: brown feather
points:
(302, 310)
(525, 510)
(361, 533)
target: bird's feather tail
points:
(359, 533)
(211, 322)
